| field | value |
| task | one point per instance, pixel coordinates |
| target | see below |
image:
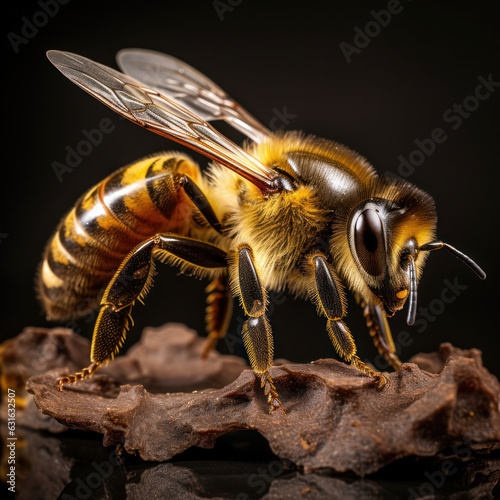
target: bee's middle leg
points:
(131, 282)
(257, 335)
(324, 290)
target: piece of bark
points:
(166, 359)
(433, 362)
(336, 417)
(35, 351)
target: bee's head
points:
(384, 237)
(390, 233)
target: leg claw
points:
(61, 381)
(382, 380)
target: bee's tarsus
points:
(76, 377)
(382, 379)
(266, 383)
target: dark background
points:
(268, 56)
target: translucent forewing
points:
(154, 111)
(190, 88)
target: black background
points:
(269, 56)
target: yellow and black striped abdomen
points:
(129, 206)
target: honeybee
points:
(287, 211)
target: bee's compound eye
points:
(369, 242)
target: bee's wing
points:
(190, 88)
(154, 111)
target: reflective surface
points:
(241, 466)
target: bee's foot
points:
(266, 382)
(382, 379)
(76, 377)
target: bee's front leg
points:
(257, 335)
(377, 323)
(324, 291)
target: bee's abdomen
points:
(90, 242)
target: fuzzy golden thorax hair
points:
(282, 228)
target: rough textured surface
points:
(35, 351)
(166, 359)
(336, 418)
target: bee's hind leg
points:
(324, 291)
(132, 281)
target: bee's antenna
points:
(412, 308)
(437, 245)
